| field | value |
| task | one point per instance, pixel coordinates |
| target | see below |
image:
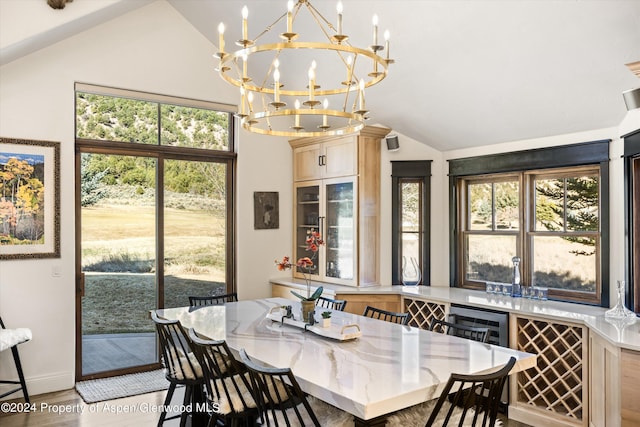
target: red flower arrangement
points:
(306, 265)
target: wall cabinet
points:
(337, 192)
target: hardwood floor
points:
(67, 409)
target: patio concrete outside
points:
(106, 352)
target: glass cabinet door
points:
(307, 218)
(339, 229)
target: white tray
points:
(335, 331)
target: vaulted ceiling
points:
(467, 73)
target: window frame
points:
(631, 158)
(411, 171)
(567, 158)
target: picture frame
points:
(266, 210)
(29, 199)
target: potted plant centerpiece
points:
(326, 319)
(306, 266)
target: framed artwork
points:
(29, 199)
(266, 210)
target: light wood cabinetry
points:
(630, 387)
(604, 381)
(555, 392)
(422, 312)
(337, 191)
(357, 303)
(328, 159)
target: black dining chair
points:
(475, 333)
(11, 338)
(200, 301)
(333, 304)
(282, 402)
(181, 367)
(467, 400)
(389, 316)
(227, 383)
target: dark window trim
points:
(631, 152)
(420, 169)
(586, 153)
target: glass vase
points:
(410, 271)
(619, 311)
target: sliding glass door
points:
(154, 223)
(118, 250)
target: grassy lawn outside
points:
(120, 302)
(119, 260)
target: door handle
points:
(80, 284)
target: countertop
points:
(620, 333)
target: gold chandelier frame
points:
(272, 117)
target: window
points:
(410, 217)
(553, 218)
(632, 219)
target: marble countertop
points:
(389, 367)
(619, 333)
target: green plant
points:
(326, 315)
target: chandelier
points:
(288, 83)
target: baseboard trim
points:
(56, 381)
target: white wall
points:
(162, 55)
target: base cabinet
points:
(357, 303)
(604, 382)
(555, 391)
(630, 387)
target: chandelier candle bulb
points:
(221, 37)
(312, 83)
(349, 70)
(297, 119)
(339, 8)
(242, 99)
(290, 16)
(325, 105)
(245, 15)
(361, 94)
(250, 101)
(276, 87)
(387, 36)
(375, 30)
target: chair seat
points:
(328, 415)
(11, 337)
(225, 405)
(186, 362)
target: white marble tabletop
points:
(390, 367)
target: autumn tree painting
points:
(21, 199)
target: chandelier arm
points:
(317, 16)
(270, 27)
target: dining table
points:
(385, 368)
